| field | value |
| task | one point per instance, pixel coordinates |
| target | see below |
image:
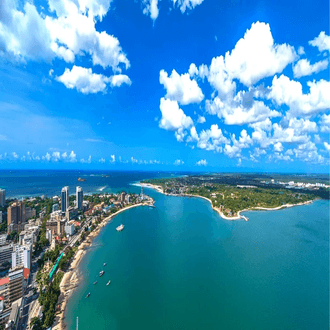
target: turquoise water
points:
(180, 266)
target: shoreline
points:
(239, 216)
(71, 277)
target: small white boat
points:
(95, 282)
(120, 228)
(101, 273)
(108, 282)
(104, 264)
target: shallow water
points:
(180, 266)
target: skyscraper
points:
(65, 198)
(79, 197)
(16, 216)
(2, 197)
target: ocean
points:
(180, 266)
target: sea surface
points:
(180, 266)
(26, 183)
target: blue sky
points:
(185, 85)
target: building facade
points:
(6, 253)
(15, 285)
(16, 216)
(21, 256)
(2, 197)
(65, 199)
(79, 197)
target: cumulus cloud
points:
(238, 112)
(181, 88)
(102, 160)
(113, 158)
(202, 162)
(327, 146)
(289, 92)
(304, 68)
(212, 139)
(254, 57)
(87, 82)
(186, 4)
(325, 123)
(72, 158)
(151, 8)
(133, 160)
(86, 161)
(201, 120)
(322, 42)
(173, 118)
(69, 31)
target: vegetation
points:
(230, 198)
(49, 299)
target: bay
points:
(180, 266)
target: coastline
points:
(71, 277)
(239, 216)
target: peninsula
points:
(230, 199)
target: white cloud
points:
(174, 119)
(133, 160)
(151, 8)
(15, 155)
(102, 160)
(289, 92)
(56, 156)
(325, 123)
(186, 4)
(327, 146)
(119, 79)
(87, 82)
(238, 113)
(232, 151)
(304, 68)
(181, 88)
(254, 57)
(72, 157)
(202, 162)
(212, 139)
(193, 71)
(87, 161)
(278, 147)
(201, 120)
(47, 157)
(307, 152)
(303, 125)
(178, 162)
(301, 50)
(322, 42)
(113, 158)
(68, 32)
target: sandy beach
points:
(239, 216)
(72, 277)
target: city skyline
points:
(188, 85)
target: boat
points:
(104, 264)
(88, 294)
(95, 282)
(81, 179)
(108, 282)
(120, 228)
(101, 273)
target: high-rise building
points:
(55, 207)
(2, 197)
(15, 287)
(1, 217)
(65, 198)
(16, 216)
(5, 253)
(122, 196)
(21, 256)
(79, 197)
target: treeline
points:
(48, 300)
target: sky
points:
(198, 85)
